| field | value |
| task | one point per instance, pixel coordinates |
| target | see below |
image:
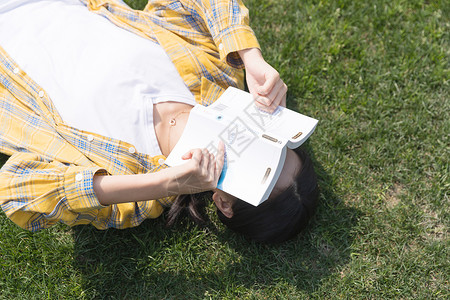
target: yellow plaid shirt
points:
(49, 176)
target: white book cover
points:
(255, 142)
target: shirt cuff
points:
(79, 188)
(235, 39)
(166, 201)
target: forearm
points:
(251, 56)
(132, 188)
(200, 173)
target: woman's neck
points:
(169, 120)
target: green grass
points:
(376, 75)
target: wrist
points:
(167, 181)
(250, 55)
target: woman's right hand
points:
(200, 173)
(263, 81)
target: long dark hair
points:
(283, 217)
(275, 220)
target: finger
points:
(206, 170)
(281, 96)
(187, 155)
(263, 107)
(220, 160)
(197, 156)
(283, 101)
(221, 149)
(274, 98)
(279, 100)
(212, 161)
(264, 101)
(205, 161)
(271, 79)
(276, 95)
(211, 168)
(270, 109)
(190, 153)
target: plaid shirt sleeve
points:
(227, 21)
(36, 192)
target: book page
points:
(251, 174)
(283, 124)
(245, 174)
(290, 126)
(232, 100)
(200, 132)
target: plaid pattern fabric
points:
(49, 176)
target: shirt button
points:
(220, 46)
(16, 70)
(90, 138)
(131, 150)
(161, 161)
(41, 94)
(79, 177)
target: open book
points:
(255, 142)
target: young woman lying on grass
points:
(95, 95)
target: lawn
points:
(376, 75)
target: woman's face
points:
(291, 167)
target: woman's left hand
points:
(263, 81)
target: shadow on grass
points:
(152, 261)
